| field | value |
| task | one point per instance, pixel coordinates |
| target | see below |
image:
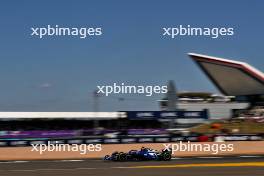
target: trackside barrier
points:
(126, 140)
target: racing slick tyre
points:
(115, 156)
(166, 156)
(107, 157)
(122, 157)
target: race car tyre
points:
(166, 156)
(122, 157)
(106, 157)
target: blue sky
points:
(59, 74)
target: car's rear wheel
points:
(166, 156)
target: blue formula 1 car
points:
(144, 154)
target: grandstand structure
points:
(63, 115)
(231, 77)
(237, 79)
(241, 84)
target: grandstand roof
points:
(61, 115)
(231, 77)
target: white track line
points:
(68, 160)
(69, 169)
(12, 162)
(176, 158)
(249, 156)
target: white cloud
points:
(45, 85)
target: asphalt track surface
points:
(227, 166)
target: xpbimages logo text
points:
(56, 30)
(214, 148)
(52, 146)
(123, 88)
(188, 30)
